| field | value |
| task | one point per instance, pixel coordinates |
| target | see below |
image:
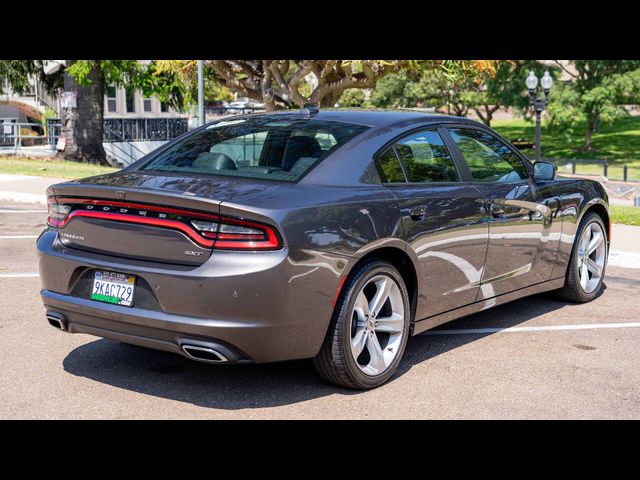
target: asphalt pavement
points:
(533, 358)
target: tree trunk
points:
(83, 126)
(589, 131)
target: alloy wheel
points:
(591, 257)
(377, 325)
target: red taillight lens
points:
(57, 213)
(234, 234)
(206, 229)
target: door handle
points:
(418, 213)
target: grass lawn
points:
(626, 215)
(618, 143)
(50, 168)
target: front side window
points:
(489, 159)
(278, 147)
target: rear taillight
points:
(235, 234)
(206, 229)
(57, 214)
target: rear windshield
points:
(261, 147)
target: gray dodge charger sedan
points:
(330, 235)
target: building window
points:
(130, 100)
(164, 107)
(112, 104)
(146, 105)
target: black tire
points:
(572, 291)
(335, 363)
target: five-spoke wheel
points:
(369, 328)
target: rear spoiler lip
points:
(88, 191)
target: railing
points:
(143, 129)
(612, 171)
(220, 111)
(12, 136)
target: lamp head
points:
(531, 81)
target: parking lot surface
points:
(534, 358)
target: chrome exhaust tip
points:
(204, 354)
(57, 321)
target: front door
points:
(443, 220)
(523, 232)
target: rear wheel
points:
(369, 328)
(588, 261)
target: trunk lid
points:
(146, 216)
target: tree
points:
(352, 98)
(289, 83)
(83, 126)
(458, 88)
(595, 92)
(504, 87)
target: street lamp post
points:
(200, 93)
(537, 103)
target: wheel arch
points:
(599, 207)
(401, 260)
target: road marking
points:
(18, 275)
(583, 326)
(23, 211)
(623, 259)
(7, 237)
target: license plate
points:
(112, 287)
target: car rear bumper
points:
(262, 307)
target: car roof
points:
(371, 117)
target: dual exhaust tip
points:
(204, 354)
(57, 321)
(201, 353)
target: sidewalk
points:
(25, 188)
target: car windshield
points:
(275, 147)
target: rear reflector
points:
(205, 229)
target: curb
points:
(20, 197)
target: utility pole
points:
(200, 93)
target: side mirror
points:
(521, 143)
(544, 171)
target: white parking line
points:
(18, 275)
(9, 237)
(583, 326)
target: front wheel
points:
(588, 261)
(369, 328)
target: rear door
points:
(442, 217)
(523, 230)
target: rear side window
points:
(489, 159)
(424, 158)
(275, 147)
(390, 167)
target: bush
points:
(27, 142)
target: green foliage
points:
(594, 95)
(145, 77)
(625, 215)
(618, 142)
(457, 86)
(352, 97)
(17, 74)
(51, 168)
